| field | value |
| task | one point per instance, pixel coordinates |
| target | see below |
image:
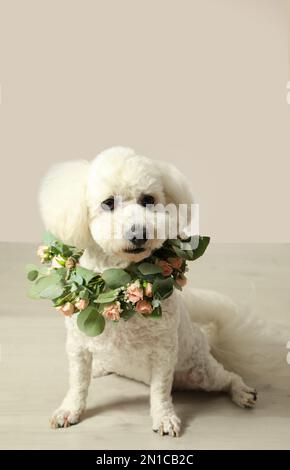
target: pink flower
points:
(144, 307)
(181, 280)
(176, 263)
(134, 292)
(148, 290)
(112, 311)
(167, 269)
(81, 304)
(67, 309)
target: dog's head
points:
(116, 202)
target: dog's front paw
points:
(245, 397)
(167, 425)
(63, 418)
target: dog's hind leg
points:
(206, 373)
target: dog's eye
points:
(108, 204)
(147, 199)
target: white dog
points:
(171, 353)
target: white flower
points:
(42, 252)
(57, 262)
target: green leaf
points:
(90, 321)
(157, 312)
(116, 277)
(180, 253)
(32, 275)
(149, 268)
(186, 246)
(201, 245)
(48, 238)
(86, 274)
(155, 303)
(76, 278)
(60, 272)
(67, 251)
(42, 283)
(189, 255)
(84, 294)
(82, 317)
(74, 287)
(163, 288)
(107, 297)
(31, 267)
(51, 292)
(95, 290)
(193, 249)
(127, 314)
(65, 297)
(173, 242)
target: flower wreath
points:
(116, 294)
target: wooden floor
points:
(33, 369)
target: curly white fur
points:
(172, 352)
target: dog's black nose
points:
(136, 235)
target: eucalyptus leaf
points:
(189, 255)
(116, 277)
(180, 253)
(51, 292)
(76, 278)
(42, 283)
(59, 272)
(84, 294)
(149, 268)
(86, 274)
(157, 312)
(96, 290)
(155, 303)
(127, 314)
(174, 242)
(201, 247)
(31, 267)
(48, 238)
(107, 297)
(32, 275)
(90, 321)
(83, 315)
(58, 245)
(74, 287)
(186, 246)
(163, 288)
(65, 297)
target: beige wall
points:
(201, 83)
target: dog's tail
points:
(249, 346)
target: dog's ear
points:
(178, 191)
(176, 187)
(63, 204)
